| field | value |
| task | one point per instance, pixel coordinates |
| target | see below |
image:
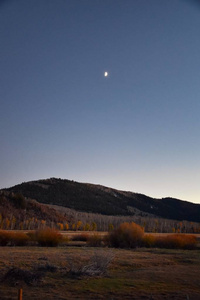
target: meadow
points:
(66, 272)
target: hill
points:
(19, 212)
(103, 200)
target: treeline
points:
(90, 221)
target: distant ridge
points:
(93, 198)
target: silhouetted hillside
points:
(99, 199)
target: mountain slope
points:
(99, 199)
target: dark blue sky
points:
(137, 129)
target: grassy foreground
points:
(132, 274)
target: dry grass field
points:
(132, 274)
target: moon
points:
(105, 74)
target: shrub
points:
(148, 240)
(97, 265)
(32, 235)
(8, 238)
(19, 239)
(83, 237)
(94, 240)
(176, 241)
(172, 241)
(14, 275)
(5, 237)
(65, 239)
(47, 268)
(127, 235)
(48, 237)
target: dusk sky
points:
(138, 129)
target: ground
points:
(157, 274)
